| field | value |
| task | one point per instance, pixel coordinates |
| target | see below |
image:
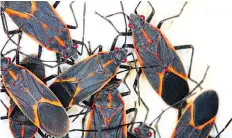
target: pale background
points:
(205, 23)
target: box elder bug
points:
(20, 125)
(199, 117)
(108, 111)
(161, 64)
(40, 21)
(87, 77)
(34, 98)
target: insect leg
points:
(136, 84)
(99, 48)
(151, 14)
(181, 47)
(49, 78)
(76, 24)
(135, 115)
(56, 4)
(4, 117)
(198, 85)
(4, 104)
(224, 128)
(41, 134)
(175, 16)
(83, 125)
(216, 128)
(16, 57)
(157, 128)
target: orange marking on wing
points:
(160, 87)
(22, 131)
(44, 25)
(124, 128)
(13, 75)
(26, 90)
(90, 74)
(89, 123)
(71, 103)
(106, 120)
(183, 76)
(191, 122)
(59, 41)
(9, 92)
(187, 108)
(33, 7)
(107, 63)
(56, 103)
(66, 80)
(9, 111)
(36, 120)
(110, 99)
(78, 89)
(146, 36)
(211, 121)
(33, 135)
(16, 13)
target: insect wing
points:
(38, 103)
(20, 125)
(199, 117)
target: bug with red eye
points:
(142, 131)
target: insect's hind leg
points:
(4, 117)
(74, 16)
(157, 127)
(16, 57)
(175, 16)
(181, 47)
(5, 26)
(55, 5)
(227, 124)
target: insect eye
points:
(8, 59)
(142, 17)
(116, 49)
(130, 25)
(65, 56)
(149, 134)
(124, 60)
(136, 130)
(75, 45)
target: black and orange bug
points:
(34, 98)
(87, 77)
(107, 110)
(20, 125)
(199, 117)
(40, 21)
(161, 64)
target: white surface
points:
(206, 24)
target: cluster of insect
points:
(92, 83)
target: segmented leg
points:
(175, 16)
